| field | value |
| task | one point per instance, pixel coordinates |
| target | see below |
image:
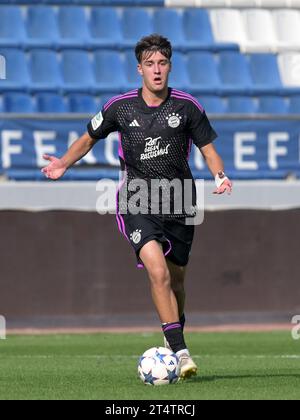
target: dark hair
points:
(151, 44)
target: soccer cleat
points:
(188, 367)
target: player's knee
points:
(160, 277)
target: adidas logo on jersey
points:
(134, 124)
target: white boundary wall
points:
(83, 196)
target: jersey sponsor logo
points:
(136, 236)
(134, 124)
(153, 149)
(174, 120)
(97, 121)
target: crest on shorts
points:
(136, 236)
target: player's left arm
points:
(216, 166)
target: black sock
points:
(174, 334)
(182, 321)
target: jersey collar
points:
(150, 109)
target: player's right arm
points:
(99, 127)
(57, 167)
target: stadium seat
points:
(18, 103)
(294, 107)
(211, 3)
(136, 23)
(51, 103)
(17, 72)
(105, 28)
(287, 24)
(12, 28)
(45, 71)
(77, 71)
(73, 27)
(110, 72)
(244, 3)
(213, 104)
(103, 99)
(242, 105)
(134, 79)
(169, 23)
(198, 32)
(83, 104)
(273, 105)
(179, 78)
(235, 73)
(260, 30)
(42, 27)
(197, 28)
(265, 74)
(203, 73)
(289, 65)
(228, 26)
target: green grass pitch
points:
(104, 366)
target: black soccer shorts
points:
(175, 236)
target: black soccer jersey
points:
(154, 148)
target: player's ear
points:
(140, 70)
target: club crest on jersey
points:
(136, 236)
(174, 120)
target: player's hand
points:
(55, 169)
(225, 187)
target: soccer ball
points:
(159, 366)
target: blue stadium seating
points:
(77, 71)
(18, 77)
(83, 104)
(179, 77)
(103, 99)
(294, 107)
(134, 80)
(213, 104)
(45, 71)
(198, 32)
(235, 74)
(51, 103)
(1, 104)
(265, 74)
(272, 105)
(168, 22)
(19, 103)
(197, 27)
(242, 105)
(73, 27)
(105, 27)
(42, 27)
(56, 60)
(131, 3)
(109, 71)
(203, 73)
(12, 28)
(136, 23)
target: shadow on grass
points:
(235, 377)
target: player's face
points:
(155, 69)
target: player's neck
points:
(154, 99)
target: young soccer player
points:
(157, 125)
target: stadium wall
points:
(73, 268)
